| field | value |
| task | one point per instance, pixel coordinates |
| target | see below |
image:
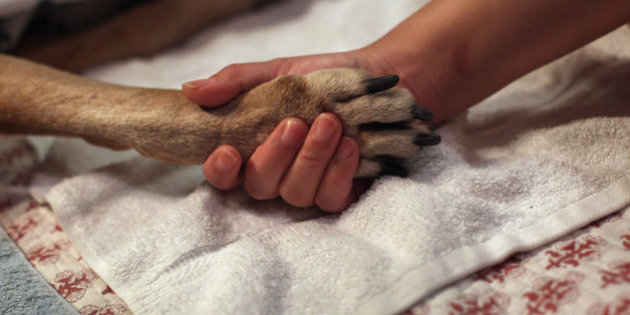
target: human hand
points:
(447, 66)
(304, 167)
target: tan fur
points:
(163, 124)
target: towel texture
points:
(546, 155)
(22, 288)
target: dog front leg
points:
(162, 124)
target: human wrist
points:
(425, 68)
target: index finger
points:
(228, 83)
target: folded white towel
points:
(546, 155)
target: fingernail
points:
(325, 128)
(346, 148)
(293, 133)
(225, 161)
(199, 83)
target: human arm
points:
(450, 55)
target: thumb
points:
(229, 83)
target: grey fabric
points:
(22, 288)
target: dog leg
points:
(163, 124)
(36, 99)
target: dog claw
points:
(422, 113)
(375, 85)
(427, 139)
(394, 170)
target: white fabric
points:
(546, 155)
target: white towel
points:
(546, 155)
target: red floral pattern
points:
(57, 228)
(7, 202)
(618, 273)
(548, 293)
(571, 252)
(22, 178)
(72, 285)
(488, 303)
(20, 152)
(619, 306)
(38, 233)
(538, 282)
(511, 267)
(47, 254)
(107, 290)
(19, 229)
(17, 161)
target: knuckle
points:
(222, 185)
(259, 192)
(296, 197)
(231, 67)
(220, 182)
(329, 204)
(325, 204)
(299, 203)
(312, 160)
(283, 65)
(231, 71)
(330, 208)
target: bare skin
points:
(450, 54)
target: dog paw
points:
(385, 121)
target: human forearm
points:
(455, 53)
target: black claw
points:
(426, 139)
(393, 169)
(391, 165)
(422, 113)
(375, 85)
(378, 126)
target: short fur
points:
(165, 125)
